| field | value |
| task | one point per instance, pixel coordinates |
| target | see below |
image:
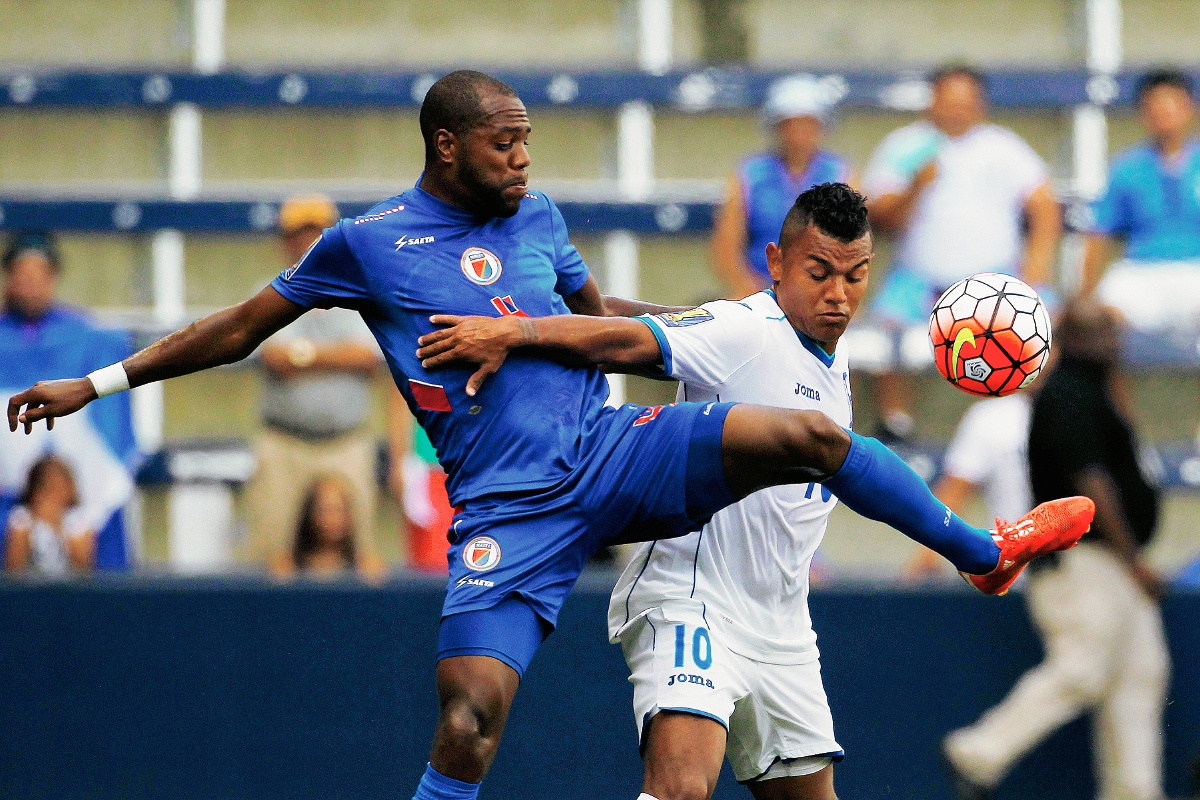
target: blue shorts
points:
(642, 473)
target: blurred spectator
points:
(43, 339)
(324, 543)
(45, 532)
(316, 400)
(418, 483)
(1095, 605)
(1153, 205)
(798, 111)
(955, 189)
(988, 456)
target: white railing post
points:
(1090, 123)
(199, 513)
(635, 159)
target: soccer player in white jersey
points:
(715, 625)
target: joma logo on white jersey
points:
(403, 240)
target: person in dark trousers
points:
(1096, 605)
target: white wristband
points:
(109, 380)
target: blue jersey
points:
(1155, 208)
(412, 256)
(768, 192)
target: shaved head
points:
(455, 103)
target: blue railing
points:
(688, 91)
(242, 216)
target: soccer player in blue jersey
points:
(544, 472)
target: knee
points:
(813, 438)
(682, 786)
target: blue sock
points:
(876, 483)
(436, 786)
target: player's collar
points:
(444, 208)
(809, 344)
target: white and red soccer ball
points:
(990, 334)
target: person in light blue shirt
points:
(1152, 205)
(798, 112)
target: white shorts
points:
(777, 715)
(1154, 294)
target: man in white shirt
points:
(955, 190)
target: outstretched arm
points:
(616, 342)
(588, 301)
(221, 338)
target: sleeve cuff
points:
(575, 283)
(664, 346)
(288, 293)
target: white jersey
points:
(990, 450)
(969, 219)
(749, 566)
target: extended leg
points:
(770, 446)
(683, 756)
(816, 786)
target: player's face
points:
(30, 285)
(799, 136)
(957, 104)
(819, 281)
(493, 165)
(1167, 112)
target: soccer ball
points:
(990, 334)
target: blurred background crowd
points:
(303, 459)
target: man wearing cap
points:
(42, 336)
(798, 111)
(315, 403)
(962, 196)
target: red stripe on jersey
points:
(429, 396)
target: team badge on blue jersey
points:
(682, 319)
(481, 266)
(481, 554)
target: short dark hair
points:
(453, 104)
(1163, 77)
(958, 70)
(836, 210)
(23, 242)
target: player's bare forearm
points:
(589, 302)
(620, 307)
(221, 338)
(616, 342)
(225, 337)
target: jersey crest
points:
(482, 267)
(481, 554)
(682, 319)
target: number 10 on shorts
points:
(701, 647)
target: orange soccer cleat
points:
(1056, 525)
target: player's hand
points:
(47, 400)
(475, 340)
